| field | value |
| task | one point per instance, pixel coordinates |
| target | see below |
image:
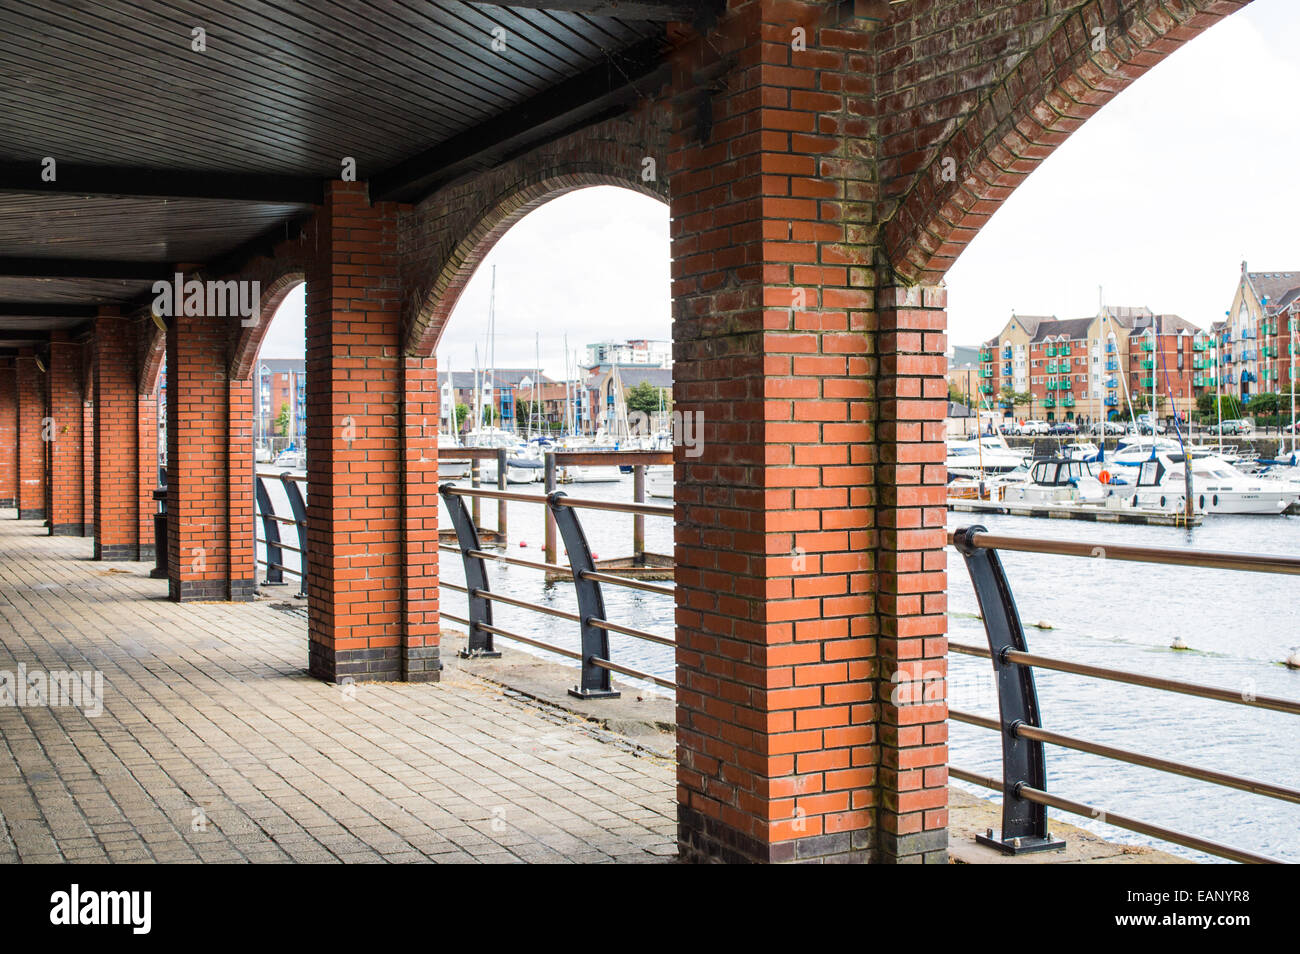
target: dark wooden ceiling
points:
(168, 155)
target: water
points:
(1239, 626)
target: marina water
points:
(1238, 627)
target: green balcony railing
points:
(986, 389)
(1068, 401)
(1147, 382)
(1148, 344)
(1063, 350)
(1049, 402)
(1200, 364)
(986, 355)
(986, 372)
(1200, 345)
(1269, 351)
(1148, 364)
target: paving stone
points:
(214, 745)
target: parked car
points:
(1063, 427)
(1034, 427)
(1243, 426)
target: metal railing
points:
(271, 524)
(592, 619)
(1025, 798)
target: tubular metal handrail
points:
(1023, 784)
(1136, 679)
(648, 510)
(594, 627)
(1210, 559)
(1160, 832)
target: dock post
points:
(549, 533)
(638, 520)
(501, 504)
(474, 471)
(480, 644)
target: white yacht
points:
(1217, 486)
(989, 454)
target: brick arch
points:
(153, 348)
(1020, 117)
(278, 279)
(445, 242)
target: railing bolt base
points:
(580, 693)
(479, 654)
(1023, 845)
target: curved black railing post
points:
(271, 532)
(476, 581)
(1024, 823)
(591, 604)
(299, 508)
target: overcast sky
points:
(1157, 199)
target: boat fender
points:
(1178, 643)
(1293, 661)
(1044, 624)
(523, 543)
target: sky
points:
(1156, 200)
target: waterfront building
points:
(1066, 369)
(1256, 337)
(649, 352)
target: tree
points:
(957, 394)
(644, 397)
(282, 421)
(489, 415)
(462, 412)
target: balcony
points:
(1228, 358)
(1110, 347)
(1148, 364)
(1248, 377)
(1006, 354)
(1051, 351)
(1112, 382)
(986, 355)
(986, 372)
(1268, 328)
(1147, 382)
(1200, 364)
(1227, 338)
(1068, 401)
(1203, 381)
(1200, 345)
(1006, 370)
(1267, 374)
(1049, 402)
(1110, 400)
(1248, 354)
(1247, 333)
(1112, 365)
(986, 389)
(1269, 351)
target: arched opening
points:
(1081, 215)
(561, 318)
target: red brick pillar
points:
(371, 460)
(31, 385)
(8, 434)
(65, 491)
(88, 444)
(912, 599)
(125, 446)
(786, 550)
(209, 465)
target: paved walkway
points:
(214, 744)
